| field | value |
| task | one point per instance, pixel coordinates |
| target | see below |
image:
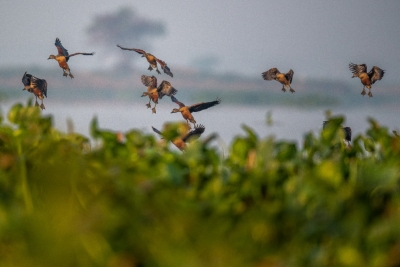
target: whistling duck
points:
(63, 57)
(152, 61)
(367, 79)
(187, 110)
(180, 142)
(36, 86)
(284, 79)
(346, 131)
(154, 92)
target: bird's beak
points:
(23, 89)
(172, 111)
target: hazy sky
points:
(315, 38)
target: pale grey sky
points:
(315, 38)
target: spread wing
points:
(26, 79)
(140, 51)
(194, 134)
(270, 74)
(165, 88)
(60, 48)
(164, 67)
(375, 74)
(156, 131)
(149, 81)
(357, 69)
(180, 104)
(203, 105)
(79, 53)
(289, 75)
(41, 84)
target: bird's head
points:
(52, 57)
(175, 110)
(145, 94)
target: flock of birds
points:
(38, 87)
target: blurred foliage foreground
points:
(133, 201)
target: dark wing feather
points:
(26, 79)
(194, 134)
(357, 69)
(270, 74)
(41, 84)
(60, 48)
(347, 133)
(203, 105)
(149, 81)
(165, 88)
(180, 104)
(156, 131)
(79, 53)
(140, 51)
(289, 75)
(375, 74)
(164, 67)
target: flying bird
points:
(62, 57)
(180, 142)
(367, 79)
(36, 86)
(284, 79)
(152, 61)
(188, 110)
(154, 92)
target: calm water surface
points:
(288, 123)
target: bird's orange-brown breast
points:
(186, 113)
(178, 142)
(365, 80)
(280, 77)
(37, 93)
(62, 62)
(153, 94)
(151, 59)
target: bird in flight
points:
(152, 61)
(284, 79)
(367, 78)
(63, 56)
(180, 142)
(187, 111)
(154, 92)
(36, 86)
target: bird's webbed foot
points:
(153, 110)
(42, 106)
(65, 74)
(363, 92)
(369, 94)
(36, 104)
(148, 105)
(70, 75)
(292, 90)
(158, 71)
(150, 68)
(283, 89)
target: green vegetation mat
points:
(134, 200)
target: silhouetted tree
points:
(124, 27)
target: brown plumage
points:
(367, 79)
(152, 60)
(36, 86)
(187, 111)
(180, 142)
(284, 79)
(154, 93)
(63, 56)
